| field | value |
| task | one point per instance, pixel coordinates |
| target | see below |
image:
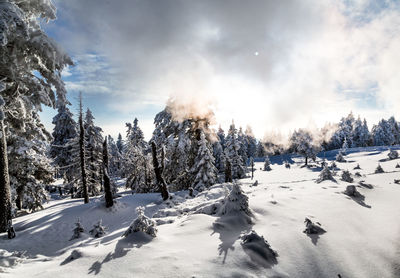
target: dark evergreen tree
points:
(108, 196)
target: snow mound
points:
(258, 249)
(10, 259)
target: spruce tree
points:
(232, 153)
(107, 183)
(204, 170)
(82, 158)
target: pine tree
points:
(345, 146)
(64, 130)
(93, 154)
(242, 146)
(232, 153)
(120, 143)
(382, 134)
(82, 149)
(204, 170)
(26, 49)
(142, 224)
(237, 202)
(267, 164)
(260, 150)
(115, 158)
(218, 153)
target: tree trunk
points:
(5, 191)
(157, 169)
(306, 161)
(107, 185)
(228, 171)
(82, 154)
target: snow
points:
(362, 237)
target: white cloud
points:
(316, 60)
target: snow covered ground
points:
(362, 236)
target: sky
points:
(273, 65)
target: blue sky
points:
(273, 65)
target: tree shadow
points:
(366, 185)
(359, 199)
(230, 228)
(123, 246)
(315, 237)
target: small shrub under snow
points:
(340, 157)
(351, 190)
(142, 224)
(346, 176)
(236, 201)
(259, 246)
(267, 164)
(379, 169)
(357, 174)
(333, 165)
(325, 174)
(312, 228)
(77, 230)
(98, 229)
(393, 154)
(287, 164)
(397, 165)
(357, 167)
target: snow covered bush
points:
(98, 229)
(393, 154)
(351, 190)
(340, 157)
(267, 164)
(287, 164)
(325, 174)
(379, 169)
(236, 201)
(357, 167)
(346, 176)
(312, 228)
(77, 230)
(357, 174)
(142, 224)
(397, 165)
(333, 165)
(258, 246)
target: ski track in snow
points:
(361, 240)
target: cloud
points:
(316, 59)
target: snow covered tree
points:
(64, 130)
(236, 202)
(394, 126)
(312, 228)
(218, 153)
(204, 170)
(94, 153)
(232, 153)
(345, 130)
(241, 138)
(251, 142)
(120, 143)
(267, 164)
(137, 164)
(346, 176)
(221, 136)
(379, 169)
(24, 51)
(114, 158)
(77, 230)
(302, 142)
(361, 135)
(98, 229)
(340, 157)
(345, 146)
(82, 158)
(260, 150)
(382, 134)
(142, 224)
(325, 174)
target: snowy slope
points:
(362, 236)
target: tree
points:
(382, 134)
(252, 167)
(31, 67)
(242, 146)
(64, 130)
(158, 172)
(232, 153)
(204, 170)
(93, 154)
(142, 224)
(218, 153)
(5, 190)
(302, 142)
(120, 143)
(267, 164)
(107, 184)
(82, 158)
(361, 135)
(260, 150)
(251, 142)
